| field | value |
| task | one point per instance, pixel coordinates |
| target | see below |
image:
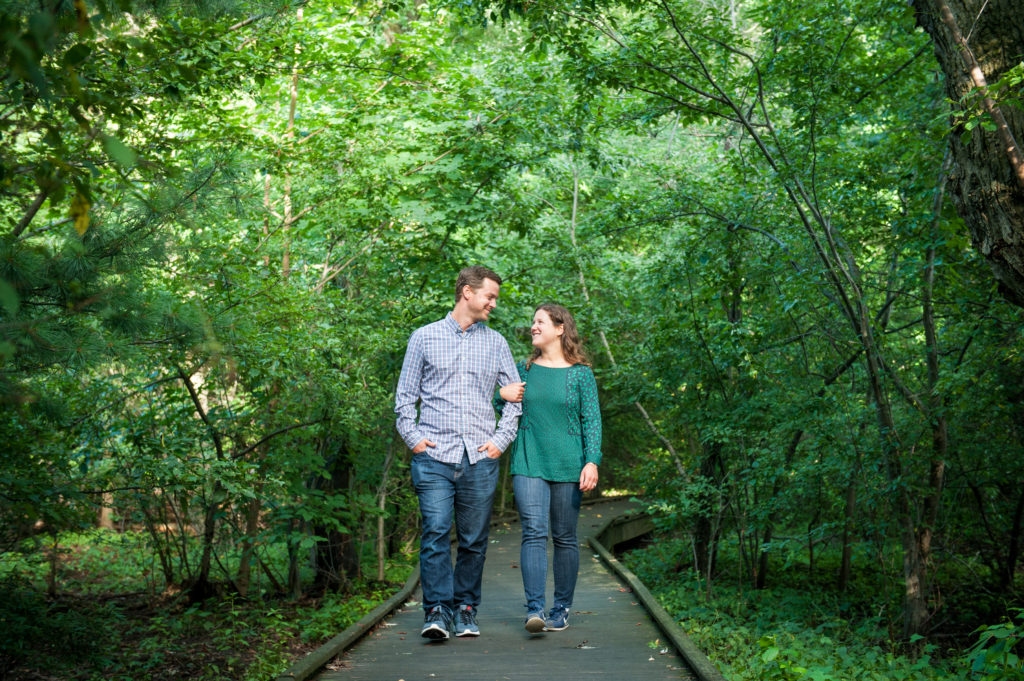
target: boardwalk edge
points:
(311, 663)
(616, 531)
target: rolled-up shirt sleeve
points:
(408, 391)
(507, 373)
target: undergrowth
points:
(109, 620)
(800, 628)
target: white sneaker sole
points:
(434, 632)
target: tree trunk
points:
(336, 557)
(294, 586)
(382, 501)
(849, 524)
(252, 517)
(815, 519)
(105, 517)
(1013, 551)
(203, 588)
(976, 42)
(162, 551)
(705, 533)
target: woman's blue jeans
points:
(467, 491)
(545, 506)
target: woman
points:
(554, 459)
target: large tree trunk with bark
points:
(336, 556)
(976, 42)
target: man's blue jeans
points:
(543, 504)
(467, 491)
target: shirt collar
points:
(454, 325)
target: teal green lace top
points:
(560, 427)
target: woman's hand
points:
(588, 478)
(513, 392)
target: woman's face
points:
(544, 331)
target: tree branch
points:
(977, 77)
(265, 438)
(217, 443)
(30, 213)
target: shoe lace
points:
(466, 615)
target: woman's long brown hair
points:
(572, 346)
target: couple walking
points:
(550, 416)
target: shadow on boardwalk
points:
(610, 634)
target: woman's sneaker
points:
(557, 620)
(535, 622)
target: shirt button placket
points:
(460, 411)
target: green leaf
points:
(8, 298)
(77, 54)
(119, 152)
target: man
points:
(452, 367)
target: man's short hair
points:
(473, 277)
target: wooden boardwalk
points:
(610, 635)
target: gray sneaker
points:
(436, 623)
(535, 622)
(465, 621)
(557, 620)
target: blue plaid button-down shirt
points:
(453, 374)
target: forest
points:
(792, 234)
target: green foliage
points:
(994, 656)
(240, 642)
(970, 112)
(123, 637)
(34, 627)
(799, 631)
(336, 613)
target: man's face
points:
(481, 301)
